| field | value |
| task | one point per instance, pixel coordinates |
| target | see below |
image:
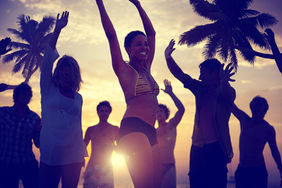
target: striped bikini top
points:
(143, 87)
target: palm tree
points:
(34, 37)
(233, 26)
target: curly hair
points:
(166, 110)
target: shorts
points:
(133, 124)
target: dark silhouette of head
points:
(67, 74)
(165, 110)
(104, 110)
(22, 94)
(209, 70)
(259, 107)
(104, 103)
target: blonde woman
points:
(61, 141)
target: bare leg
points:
(139, 159)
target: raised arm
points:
(275, 50)
(239, 114)
(274, 150)
(173, 122)
(171, 64)
(51, 54)
(117, 60)
(60, 24)
(4, 87)
(149, 30)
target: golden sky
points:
(85, 40)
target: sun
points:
(118, 160)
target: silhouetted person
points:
(4, 43)
(211, 146)
(137, 135)
(61, 142)
(274, 48)
(19, 126)
(255, 133)
(166, 134)
(99, 171)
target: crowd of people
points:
(148, 151)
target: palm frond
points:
(266, 20)
(19, 45)
(244, 13)
(45, 26)
(17, 33)
(235, 4)
(198, 34)
(20, 64)
(26, 65)
(233, 58)
(11, 56)
(243, 45)
(211, 47)
(206, 9)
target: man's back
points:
(254, 136)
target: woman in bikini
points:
(137, 137)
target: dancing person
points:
(274, 48)
(99, 171)
(211, 148)
(137, 136)
(61, 142)
(255, 133)
(166, 134)
(19, 129)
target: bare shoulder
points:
(269, 128)
(91, 129)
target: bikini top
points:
(143, 87)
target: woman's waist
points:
(149, 118)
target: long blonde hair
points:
(68, 60)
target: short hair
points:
(68, 60)
(130, 36)
(23, 87)
(104, 103)
(166, 110)
(211, 64)
(259, 102)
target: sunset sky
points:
(85, 40)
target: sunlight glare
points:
(118, 160)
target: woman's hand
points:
(170, 48)
(62, 21)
